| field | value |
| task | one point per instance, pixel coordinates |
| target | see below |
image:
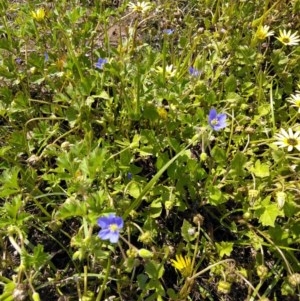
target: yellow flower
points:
(287, 38)
(39, 14)
(170, 72)
(263, 32)
(140, 7)
(163, 114)
(288, 139)
(294, 99)
(183, 265)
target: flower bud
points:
(145, 237)
(146, 254)
(252, 193)
(65, 146)
(33, 160)
(224, 287)
(36, 297)
(247, 215)
(131, 253)
(198, 219)
(294, 279)
(203, 157)
(262, 271)
(280, 198)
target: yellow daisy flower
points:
(294, 99)
(140, 7)
(183, 265)
(38, 15)
(287, 38)
(288, 139)
(263, 32)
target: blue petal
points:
(114, 237)
(212, 114)
(103, 222)
(105, 234)
(222, 118)
(118, 221)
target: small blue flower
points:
(111, 226)
(216, 121)
(46, 56)
(18, 61)
(101, 62)
(168, 31)
(194, 72)
(129, 176)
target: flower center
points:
(292, 141)
(286, 40)
(114, 227)
(215, 121)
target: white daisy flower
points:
(287, 38)
(170, 71)
(288, 139)
(140, 7)
(294, 99)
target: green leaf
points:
(4, 150)
(230, 84)
(237, 164)
(154, 270)
(260, 170)
(71, 208)
(155, 208)
(9, 181)
(134, 189)
(224, 248)
(215, 196)
(8, 290)
(186, 231)
(218, 154)
(37, 259)
(142, 281)
(267, 214)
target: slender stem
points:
(99, 296)
(209, 267)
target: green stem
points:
(104, 280)
(208, 268)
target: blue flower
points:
(168, 31)
(194, 72)
(111, 226)
(46, 56)
(216, 121)
(18, 61)
(101, 62)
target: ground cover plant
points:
(149, 150)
